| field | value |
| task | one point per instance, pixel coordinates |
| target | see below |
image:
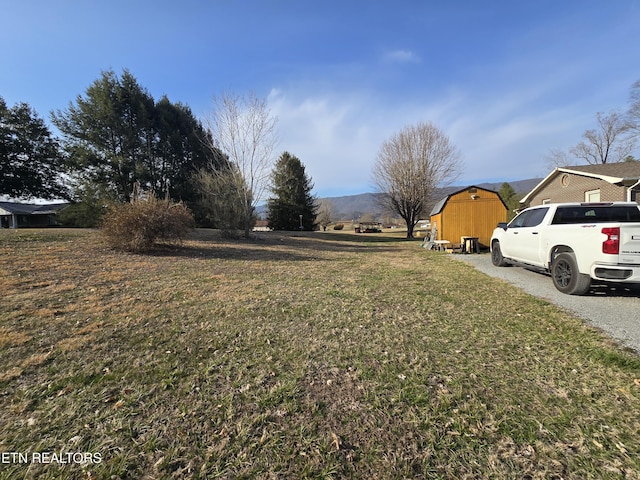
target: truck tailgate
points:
(630, 244)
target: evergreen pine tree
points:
(510, 198)
(30, 160)
(292, 207)
(117, 136)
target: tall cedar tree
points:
(510, 198)
(30, 160)
(292, 204)
(118, 135)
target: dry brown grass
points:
(318, 355)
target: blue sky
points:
(506, 80)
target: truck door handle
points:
(534, 233)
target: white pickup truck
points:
(574, 242)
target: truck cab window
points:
(535, 218)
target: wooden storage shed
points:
(470, 212)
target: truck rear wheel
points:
(566, 276)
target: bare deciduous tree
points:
(634, 109)
(633, 114)
(557, 158)
(243, 128)
(410, 166)
(325, 213)
(220, 203)
(607, 143)
(610, 142)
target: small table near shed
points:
(470, 245)
(441, 244)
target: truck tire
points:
(566, 277)
(496, 255)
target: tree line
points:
(415, 161)
(116, 141)
(117, 138)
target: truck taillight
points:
(612, 244)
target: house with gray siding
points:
(609, 182)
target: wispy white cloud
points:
(331, 136)
(337, 136)
(505, 84)
(401, 56)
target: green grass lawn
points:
(321, 355)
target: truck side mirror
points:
(502, 225)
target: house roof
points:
(13, 208)
(438, 207)
(614, 173)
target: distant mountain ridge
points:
(352, 207)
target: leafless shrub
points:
(139, 225)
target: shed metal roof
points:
(438, 207)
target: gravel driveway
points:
(612, 308)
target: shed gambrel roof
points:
(438, 207)
(615, 173)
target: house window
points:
(565, 180)
(592, 196)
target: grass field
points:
(319, 355)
